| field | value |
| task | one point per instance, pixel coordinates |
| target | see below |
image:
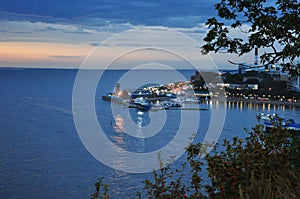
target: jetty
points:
(154, 107)
(155, 98)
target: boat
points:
(291, 124)
(170, 105)
(271, 121)
(268, 117)
(113, 98)
(191, 100)
(142, 104)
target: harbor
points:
(153, 107)
(174, 96)
(33, 106)
(182, 96)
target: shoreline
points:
(269, 102)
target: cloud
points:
(65, 29)
(81, 31)
(49, 28)
(93, 22)
(94, 44)
(201, 29)
(103, 12)
(66, 57)
(26, 31)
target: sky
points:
(63, 33)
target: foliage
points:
(252, 73)
(263, 165)
(232, 78)
(165, 185)
(273, 84)
(99, 193)
(260, 168)
(272, 24)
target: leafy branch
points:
(274, 27)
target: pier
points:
(155, 107)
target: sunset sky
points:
(61, 33)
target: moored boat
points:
(170, 105)
(271, 121)
(142, 104)
(268, 117)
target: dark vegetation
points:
(272, 25)
(264, 165)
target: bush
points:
(264, 165)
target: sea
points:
(43, 153)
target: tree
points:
(274, 84)
(263, 165)
(273, 25)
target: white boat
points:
(268, 117)
(170, 105)
(271, 121)
(191, 100)
(142, 104)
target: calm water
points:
(42, 155)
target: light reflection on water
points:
(41, 150)
(120, 136)
(141, 142)
(264, 107)
(119, 125)
(239, 115)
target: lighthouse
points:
(117, 88)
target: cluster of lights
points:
(255, 96)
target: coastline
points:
(260, 102)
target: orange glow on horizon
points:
(37, 52)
